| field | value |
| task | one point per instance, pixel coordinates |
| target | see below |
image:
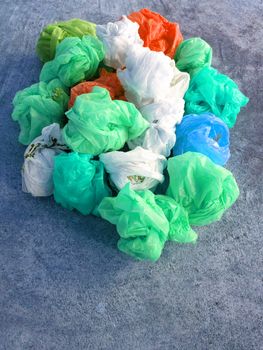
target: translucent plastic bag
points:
(157, 32)
(54, 33)
(151, 77)
(203, 133)
(97, 124)
(117, 37)
(79, 182)
(210, 91)
(160, 136)
(37, 170)
(192, 55)
(142, 168)
(75, 60)
(140, 222)
(106, 80)
(204, 189)
(38, 106)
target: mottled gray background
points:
(64, 285)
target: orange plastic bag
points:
(157, 32)
(107, 80)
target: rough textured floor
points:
(63, 283)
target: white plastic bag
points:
(160, 136)
(38, 164)
(151, 77)
(117, 37)
(142, 168)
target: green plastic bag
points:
(97, 124)
(140, 222)
(203, 188)
(75, 60)
(192, 55)
(38, 106)
(210, 91)
(79, 182)
(54, 33)
(180, 230)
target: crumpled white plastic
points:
(151, 77)
(37, 170)
(160, 136)
(117, 37)
(142, 168)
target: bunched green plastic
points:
(79, 182)
(203, 188)
(54, 33)
(211, 91)
(98, 124)
(38, 106)
(76, 60)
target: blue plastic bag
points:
(203, 133)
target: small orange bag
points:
(157, 32)
(107, 80)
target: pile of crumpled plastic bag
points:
(130, 122)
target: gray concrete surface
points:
(63, 283)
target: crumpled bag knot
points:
(37, 170)
(98, 125)
(76, 60)
(142, 168)
(157, 32)
(203, 133)
(204, 189)
(79, 182)
(54, 33)
(117, 37)
(211, 91)
(37, 106)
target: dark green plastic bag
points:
(76, 60)
(210, 91)
(79, 182)
(203, 188)
(54, 33)
(192, 55)
(38, 106)
(98, 124)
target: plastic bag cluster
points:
(116, 105)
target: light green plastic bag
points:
(97, 124)
(210, 91)
(79, 182)
(192, 55)
(54, 33)
(203, 188)
(38, 106)
(76, 60)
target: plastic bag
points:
(157, 32)
(79, 182)
(140, 222)
(210, 91)
(204, 189)
(117, 37)
(97, 124)
(106, 80)
(151, 77)
(54, 33)
(179, 228)
(37, 170)
(192, 55)
(142, 168)
(203, 133)
(160, 136)
(38, 106)
(75, 60)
